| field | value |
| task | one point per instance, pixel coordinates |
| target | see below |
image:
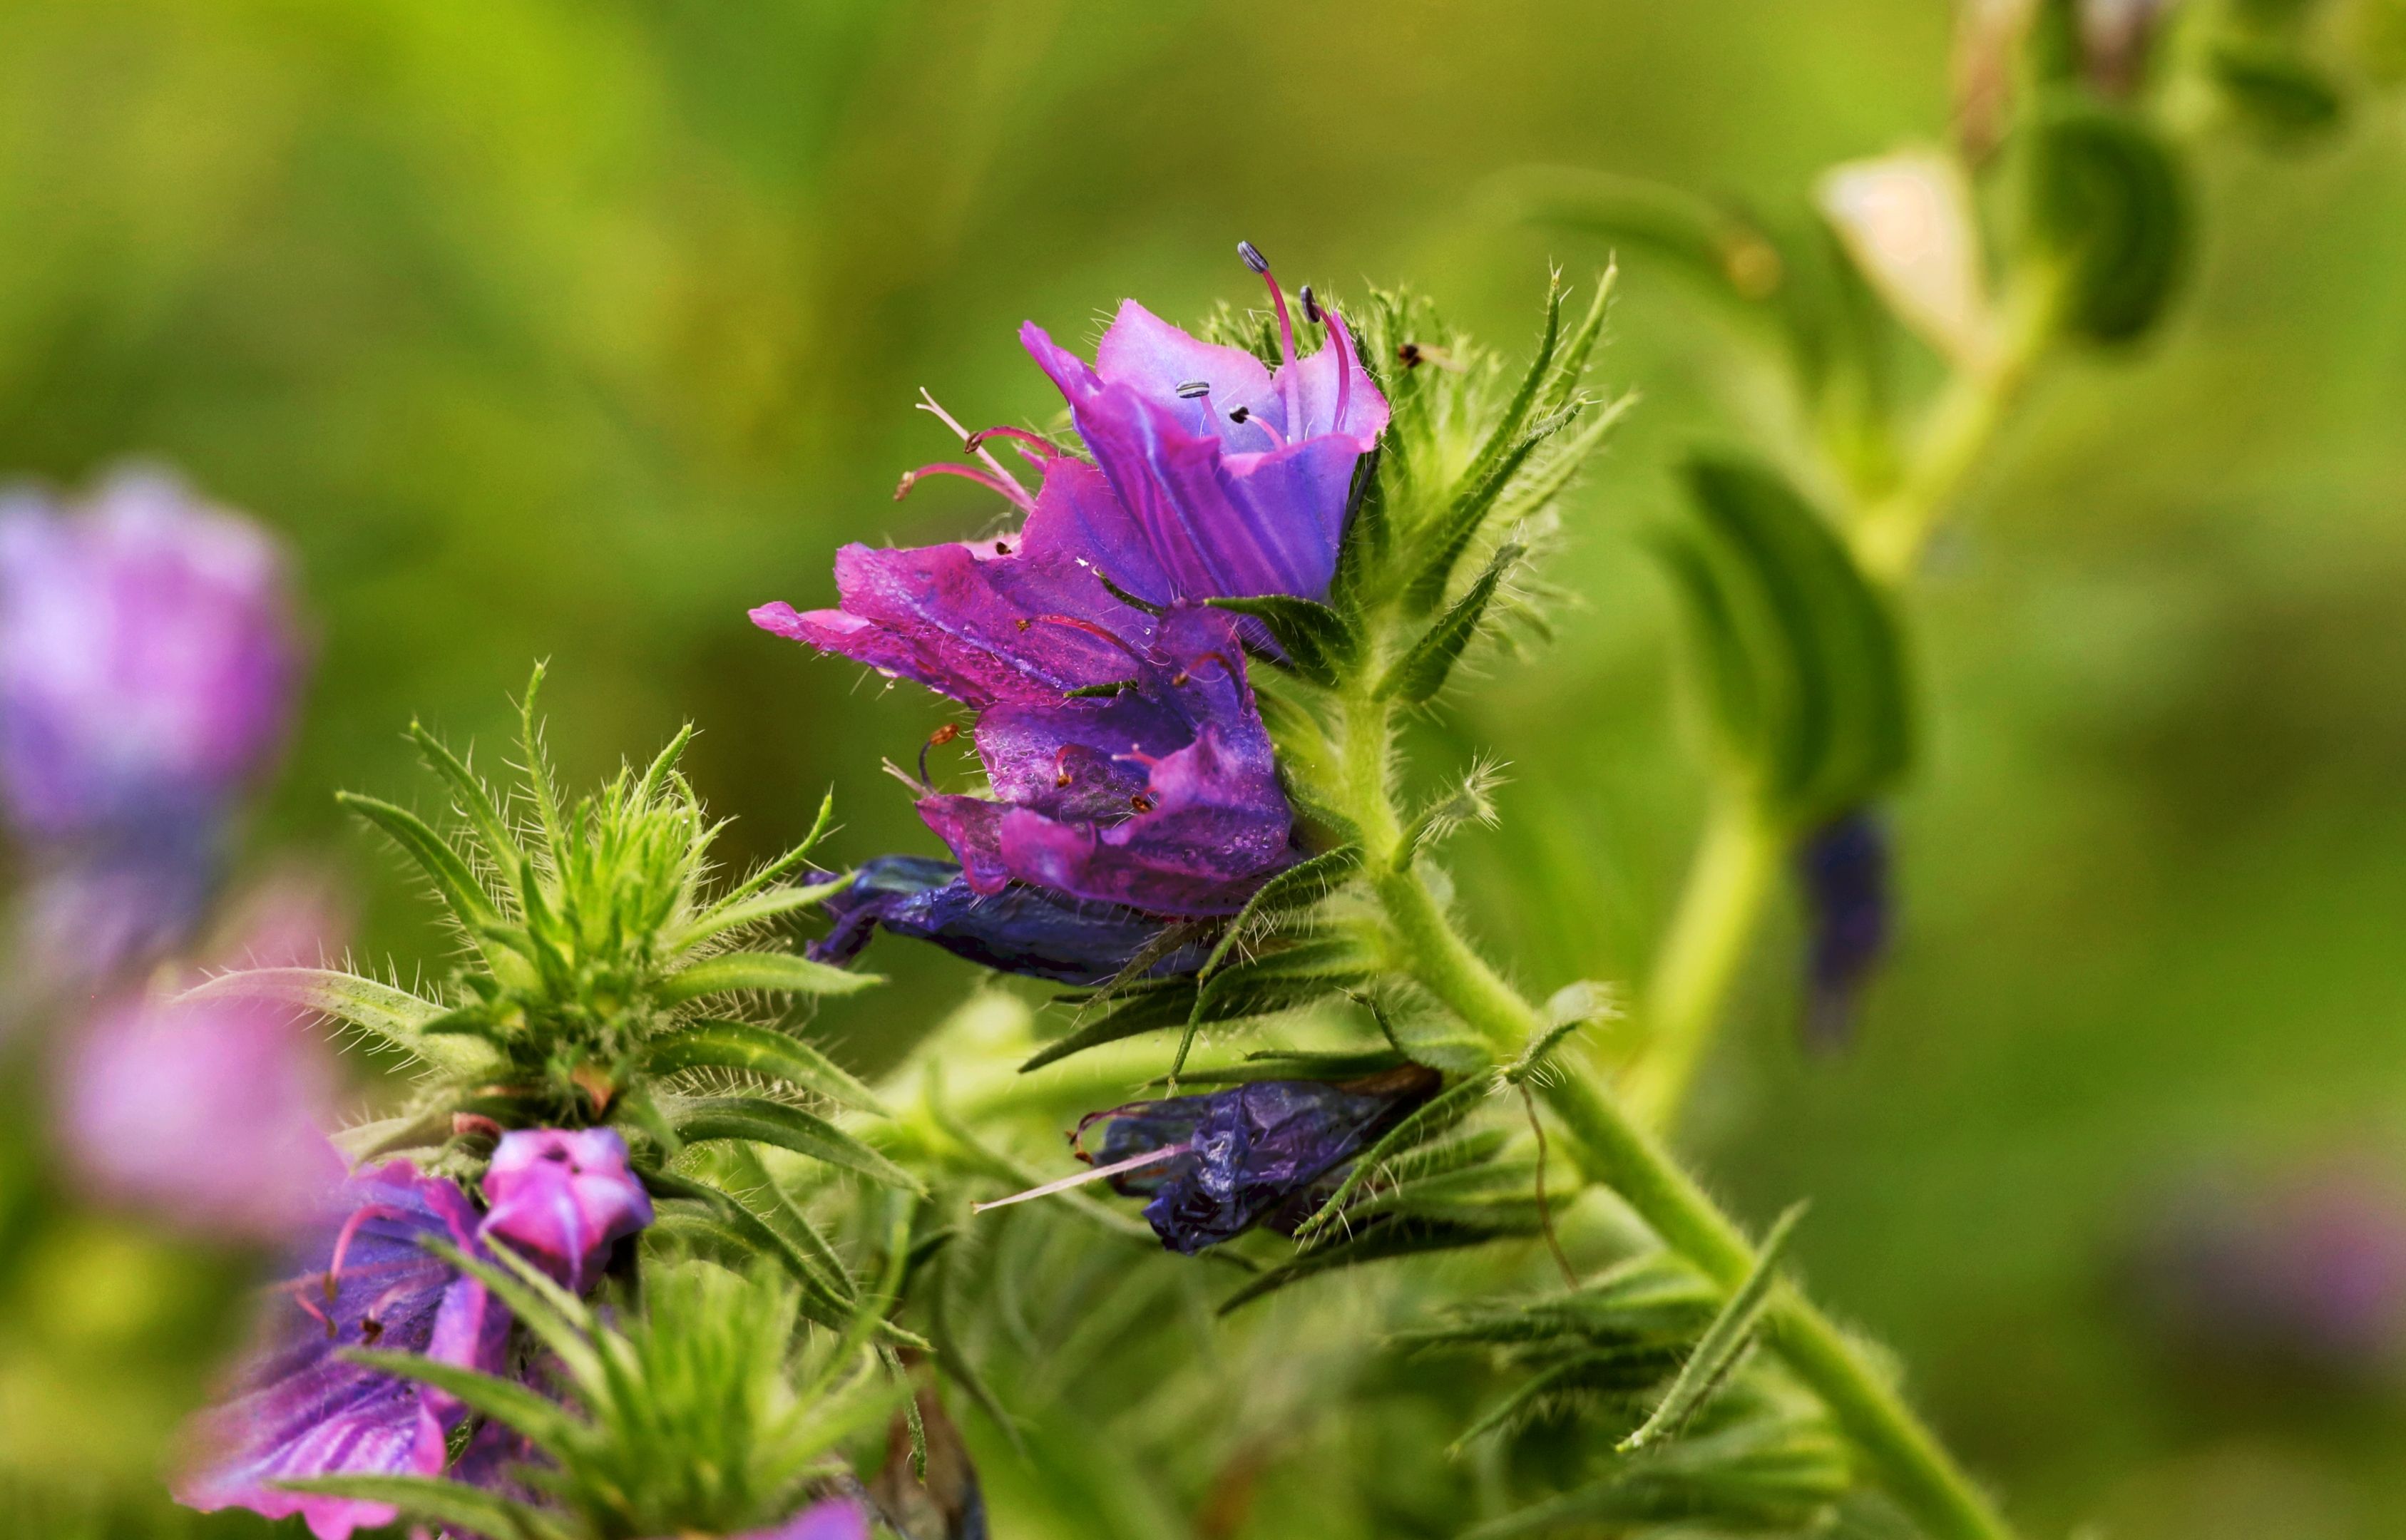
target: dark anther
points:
(1253, 256)
(1025, 623)
(1002, 547)
(1181, 677)
(1240, 414)
(1189, 390)
(945, 734)
(1409, 355)
(1062, 779)
(1140, 802)
(1310, 305)
(370, 1330)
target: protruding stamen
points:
(945, 734)
(1151, 1157)
(1189, 390)
(1251, 257)
(1310, 305)
(1239, 413)
(350, 1230)
(1000, 484)
(1018, 494)
(1343, 342)
(1046, 447)
(1261, 264)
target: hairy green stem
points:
(1617, 1152)
(1727, 887)
(1731, 880)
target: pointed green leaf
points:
(467, 899)
(1417, 677)
(474, 800)
(394, 1017)
(1319, 644)
(723, 917)
(767, 973)
(758, 1050)
(1723, 1341)
(1377, 1243)
(1802, 658)
(537, 1416)
(449, 1503)
(1432, 1117)
(765, 1122)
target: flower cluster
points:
(1129, 765)
(303, 1407)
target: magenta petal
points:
(562, 1199)
(298, 1410)
(1154, 358)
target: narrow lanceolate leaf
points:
(1571, 360)
(394, 1017)
(443, 867)
(751, 1183)
(1723, 1341)
(1453, 530)
(1380, 1242)
(1620, 1370)
(1320, 643)
(537, 1416)
(757, 1051)
(1419, 673)
(721, 918)
(474, 799)
(1502, 438)
(766, 1121)
(767, 973)
(450, 1503)
(1433, 1117)
(1803, 665)
(1304, 883)
(1364, 548)
(734, 1235)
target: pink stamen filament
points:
(1151, 1157)
(1092, 630)
(1344, 341)
(351, 1231)
(1010, 489)
(1046, 447)
(1017, 494)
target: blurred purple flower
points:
(1223, 1162)
(1844, 871)
(836, 1518)
(147, 665)
(1118, 729)
(1022, 930)
(207, 1115)
(300, 1409)
(147, 658)
(562, 1199)
(2308, 1273)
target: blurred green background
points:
(577, 328)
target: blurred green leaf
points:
(2107, 205)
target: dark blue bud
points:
(1250, 1153)
(1021, 930)
(1844, 872)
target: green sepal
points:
(765, 972)
(1723, 1342)
(764, 1122)
(759, 1051)
(1319, 644)
(1417, 677)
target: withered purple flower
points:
(1129, 761)
(1844, 872)
(1213, 1166)
(300, 1409)
(1022, 930)
(563, 1198)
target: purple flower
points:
(300, 1409)
(147, 664)
(206, 1115)
(366, 1281)
(1022, 930)
(1844, 872)
(836, 1518)
(146, 658)
(1129, 761)
(563, 1199)
(1226, 1161)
